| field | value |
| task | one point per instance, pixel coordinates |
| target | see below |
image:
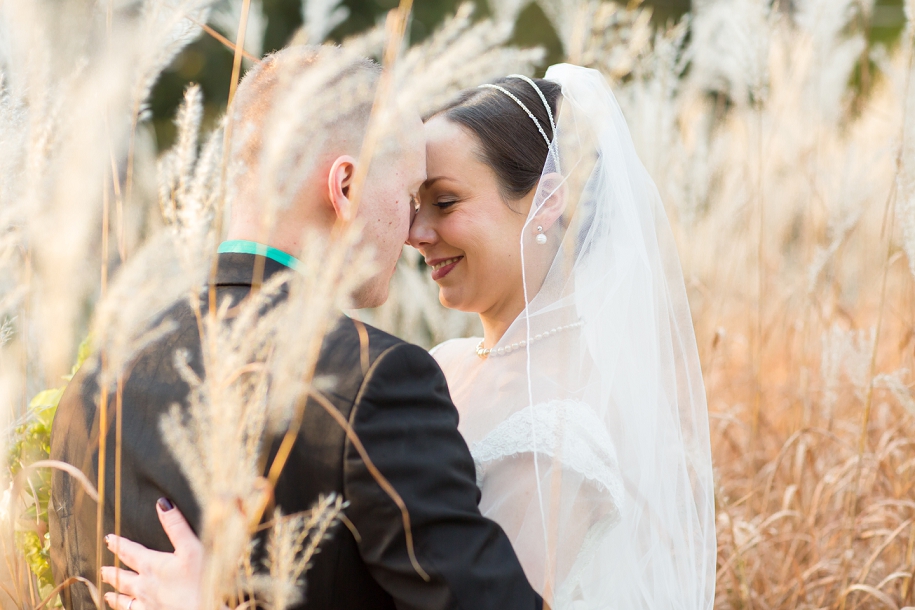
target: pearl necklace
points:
(488, 351)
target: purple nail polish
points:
(165, 504)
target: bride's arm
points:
(554, 506)
(572, 506)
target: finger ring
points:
(130, 603)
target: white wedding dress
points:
(588, 422)
(570, 435)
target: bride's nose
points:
(422, 232)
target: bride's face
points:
(468, 234)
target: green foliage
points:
(31, 442)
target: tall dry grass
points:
(789, 181)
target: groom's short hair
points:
(323, 94)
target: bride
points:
(583, 403)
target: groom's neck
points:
(285, 233)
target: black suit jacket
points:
(398, 404)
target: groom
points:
(393, 394)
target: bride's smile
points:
(442, 267)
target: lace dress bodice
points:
(507, 454)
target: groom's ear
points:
(339, 179)
(553, 187)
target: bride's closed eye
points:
(445, 203)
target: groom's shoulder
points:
(354, 338)
(369, 352)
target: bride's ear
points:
(553, 186)
(339, 179)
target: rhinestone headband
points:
(546, 104)
(523, 107)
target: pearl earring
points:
(541, 238)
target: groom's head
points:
(299, 120)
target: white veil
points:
(598, 378)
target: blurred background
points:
(272, 22)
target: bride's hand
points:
(160, 581)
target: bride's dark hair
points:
(510, 142)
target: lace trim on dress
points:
(586, 446)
